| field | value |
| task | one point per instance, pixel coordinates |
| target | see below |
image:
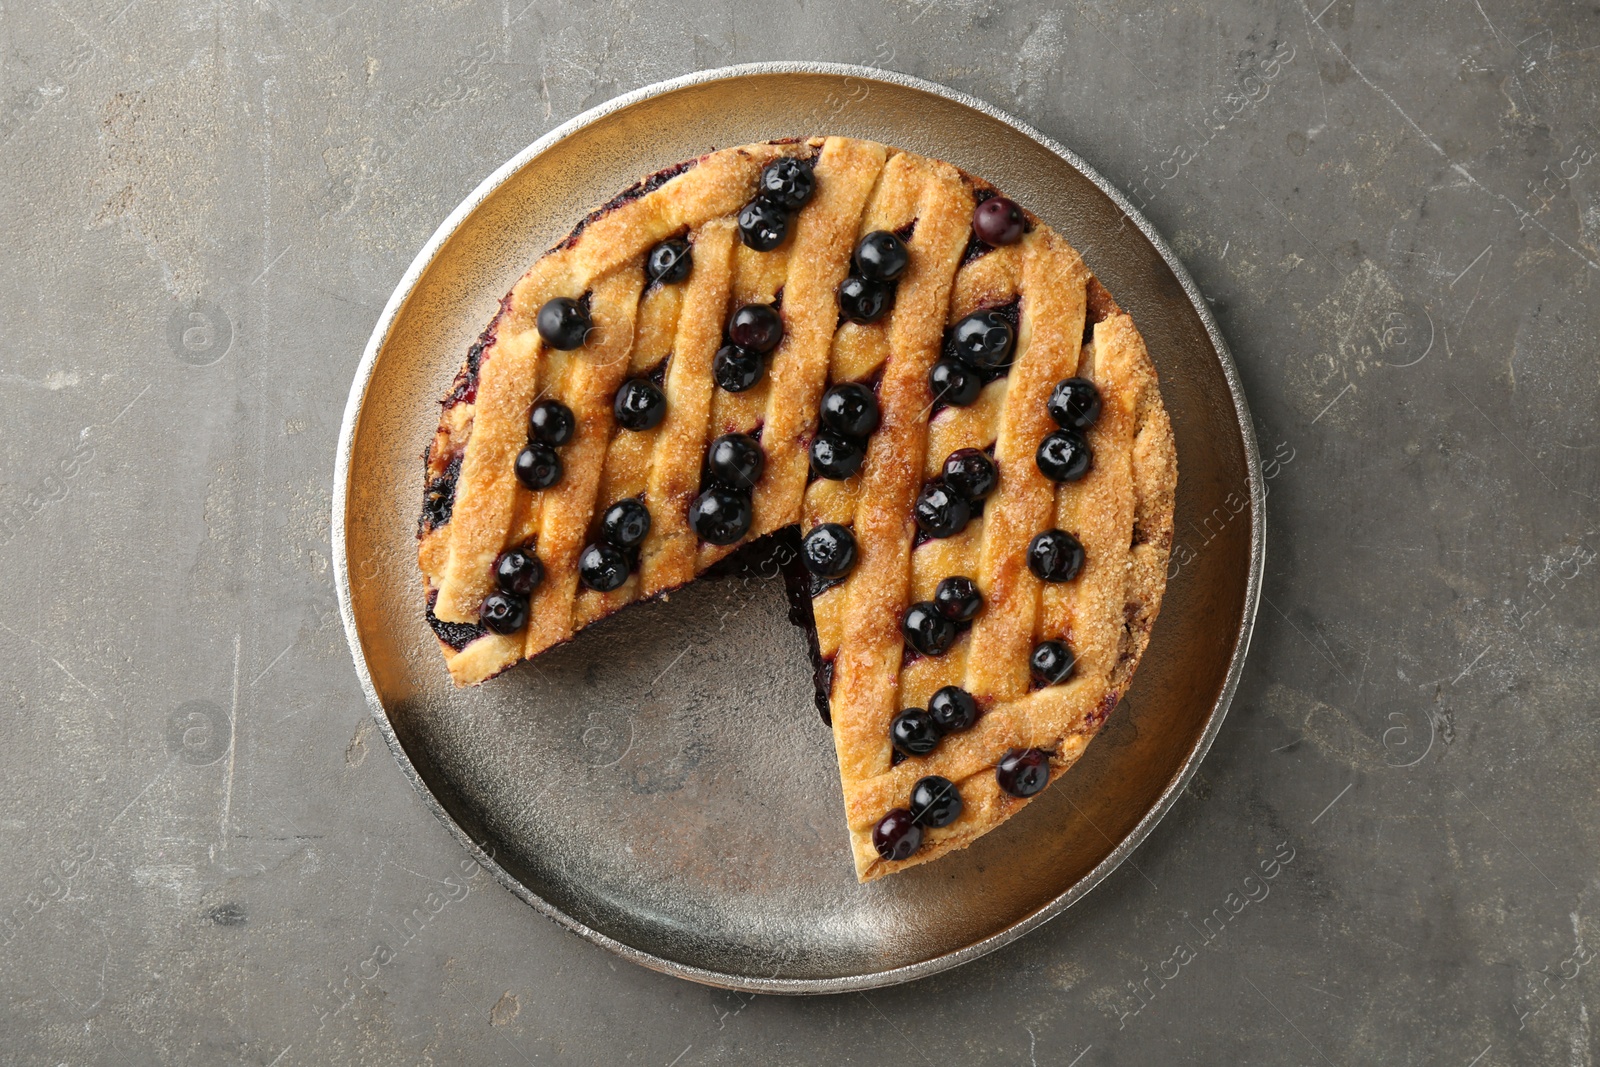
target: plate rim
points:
(1141, 830)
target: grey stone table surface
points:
(1394, 210)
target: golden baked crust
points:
(1067, 325)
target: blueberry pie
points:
(878, 357)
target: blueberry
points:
(787, 183)
(626, 523)
(914, 732)
(518, 572)
(998, 221)
(881, 257)
(538, 466)
(1063, 456)
(721, 515)
(1051, 662)
(957, 598)
(669, 261)
(835, 456)
(1023, 771)
(504, 613)
(862, 301)
(941, 511)
(970, 472)
(639, 405)
(851, 409)
(1074, 403)
(736, 460)
(954, 383)
(829, 551)
(1055, 556)
(563, 323)
(935, 801)
(763, 225)
(983, 340)
(897, 835)
(926, 630)
(756, 328)
(737, 369)
(952, 709)
(551, 422)
(603, 566)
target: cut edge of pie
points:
(1065, 325)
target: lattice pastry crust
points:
(670, 332)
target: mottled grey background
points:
(1395, 212)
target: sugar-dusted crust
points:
(1067, 324)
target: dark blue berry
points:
(603, 566)
(639, 405)
(1055, 556)
(756, 328)
(787, 183)
(736, 460)
(970, 472)
(954, 383)
(551, 422)
(897, 835)
(952, 709)
(914, 732)
(626, 523)
(1022, 772)
(851, 409)
(1051, 662)
(835, 456)
(998, 221)
(518, 572)
(829, 551)
(563, 323)
(669, 261)
(935, 801)
(957, 598)
(881, 257)
(737, 369)
(1074, 404)
(1063, 456)
(538, 466)
(763, 225)
(941, 511)
(504, 613)
(926, 630)
(720, 516)
(862, 301)
(983, 340)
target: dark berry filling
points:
(639, 405)
(1055, 556)
(952, 709)
(626, 523)
(1064, 456)
(756, 327)
(957, 598)
(935, 801)
(914, 732)
(998, 221)
(926, 630)
(940, 511)
(504, 613)
(563, 323)
(835, 456)
(850, 409)
(880, 256)
(864, 302)
(829, 551)
(720, 516)
(736, 461)
(439, 499)
(1051, 662)
(1074, 404)
(737, 369)
(669, 262)
(538, 466)
(603, 566)
(897, 835)
(551, 422)
(457, 635)
(518, 572)
(970, 472)
(1022, 772)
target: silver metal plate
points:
(662, 785)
